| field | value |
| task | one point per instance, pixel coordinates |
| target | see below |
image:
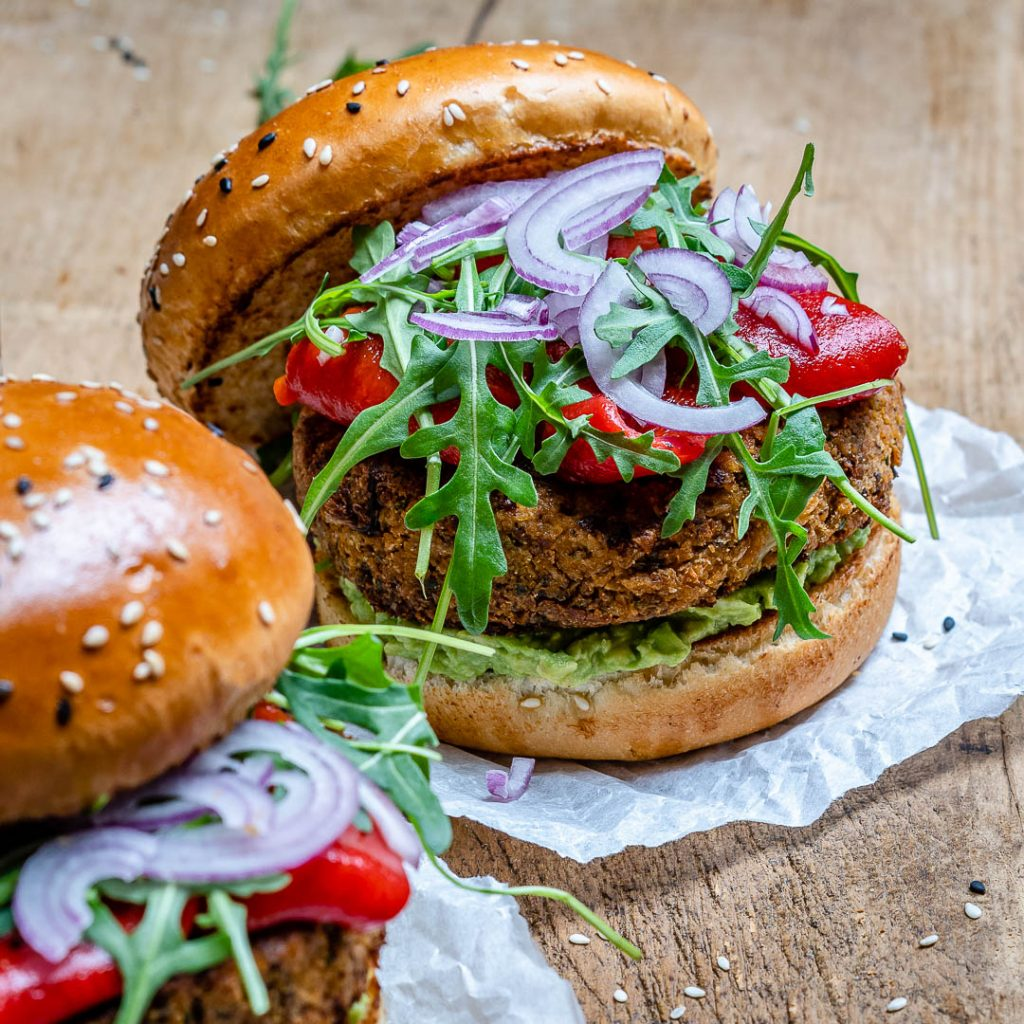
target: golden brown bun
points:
(85, 541)
(731, 685)
(275, 242)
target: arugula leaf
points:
(273, 97)
(693, 479)
(846, 280)
(352, 63)
(155, 951)
(228, 918)
(380, 427)
(371, 245)
(671, 211)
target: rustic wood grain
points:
(916, 111)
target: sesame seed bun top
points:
(244, 253)
(152, 583)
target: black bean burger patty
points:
(590, 556)
(314, 974)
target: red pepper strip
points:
(621, 247)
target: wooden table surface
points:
(916, 109)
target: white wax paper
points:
(465, 958)
(906, 697)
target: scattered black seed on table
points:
(899, 637)
(225, 185)
(266, 141)
(6, 690)
(63, 711)
(24, 485)
(977, 887)
(948, 623)
(352, 107)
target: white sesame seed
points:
(156, 663)
(141, 672)
(928, 940)
(33, 500)
(97, 467)
(529, 42)
(95, 637)
(250, 466)
(45, 377)
(677, 1013)
(897, 1004)
(530, 702)
(187, 196)
(309, 148)
(178, 259)
(154, 490)
(320, 85)
(177, 550)
(403, 87)
(660, 78)
(71, 681)
(155, 468)
(105, 705)
(164, 269)
(15, 548)
(604, 87)
(74, 460)
(561, 60)
(124, 407)
(8, 530)
(201, 219)
(630, 63)
(210, 241)
(620, 996)
(91, 384)
(579, 940)
(581, 702)
(723, 963)
(521, 64)
(152, 633)
(930, 643)
(62, 497)
(446, 116)
(357, 89)
(212, 517)
(378, 71)
(15, 444)
(326, 156)
(457, 112)
(131, 613)
(65, 396)
(260, 180)
(694, 992)
(40, 520)
(265, 610)
(150, 424)
(972, 910)
(12, 421)
(575, 55)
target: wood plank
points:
(915, 111)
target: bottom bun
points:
(732, 684)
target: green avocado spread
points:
(577, 657)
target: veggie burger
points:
(544, 385)
(153, 813)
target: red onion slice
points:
(514, 193)
(490, 326)
(628, 392)
(730, 216)
(505, 787)
(832, 306)
(50, 905)
(524, 308)
(791, 271)
(394, 827)
(412, 230)
(486, 218)
(534, 230)
(600, 219)
(786, 313)
(694, 285)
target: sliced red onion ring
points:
(515, 193)
(486, 218)
(628, 392)
(505, 787)
(654, 374)
(601, 218)
(730, 216)
(491, 326)
(791, 271)
(564, 311)
(394, 827)
(831, 306)
(524, 307)
(50, 903)
(534, 230)
(412, 230)
(785, 312)
(694, 285)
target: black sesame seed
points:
(221, 164)
(105, 481)
(948, 623)
(154, 297)
(899, 637)
(24, 485)
(977, 887)
(266, 141)
(63, 711)
(199, 178)
(215, 430)
(352, 107)
(6, 690)
(225, 185)
(380, 63)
